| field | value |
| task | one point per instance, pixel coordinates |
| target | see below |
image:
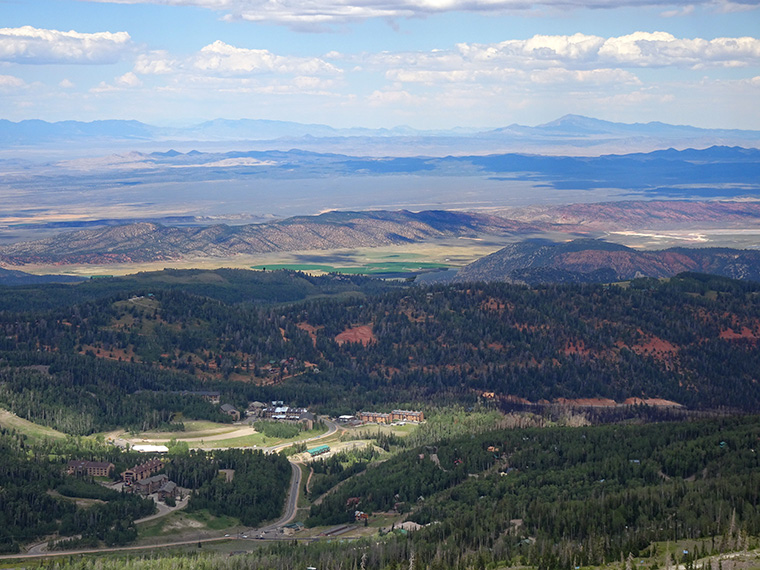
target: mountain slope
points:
(143, 242)
(589, 261)
(14, 277)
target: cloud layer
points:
(320, 13)
(649, 71)
(640, 49)
(39, 46)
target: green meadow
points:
(365, 269)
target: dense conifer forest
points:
(123, 356)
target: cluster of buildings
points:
(138, 479)
(394, 416)
(143, 480)
(278, 411)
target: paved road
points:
(291, 504)
(41, 549)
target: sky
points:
(428, 64)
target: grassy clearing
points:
(213, 522)
(210, 435)
(303, 502)
(193, 429)
(186, 523)
(33, 431)
(255, 439)
(392, 429)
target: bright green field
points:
(366, 269)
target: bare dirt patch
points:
(588, 402)
(655, 347)
(311, 330)
(744, 334)
(578, 347)
(651, 402)
(362, 334)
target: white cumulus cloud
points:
(220, 57)
(640, 49)
(11, 83)
(155, 63)
(40, 46)
(127, 81)
(584, 76)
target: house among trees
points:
(230, 411)
(255, 408)
(90, 468)
(212, 397)
(142, 471)
(150, 484)
(168, 489)
(307, 419)
(292, 528)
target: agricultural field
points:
(449, 252)
(378, 268)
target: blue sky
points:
(381, 63)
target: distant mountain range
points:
(717, 171)
(148, 242)
(595, 261)
(570, 131)
(153, 242)
(15, 277)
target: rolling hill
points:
(596, 261)
(146, 242)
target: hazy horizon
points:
(429, 64)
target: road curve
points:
(291, 503)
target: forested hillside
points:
(38, 500)
(548, 498)
(33, 505)
(561, 497)
(124, 359)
